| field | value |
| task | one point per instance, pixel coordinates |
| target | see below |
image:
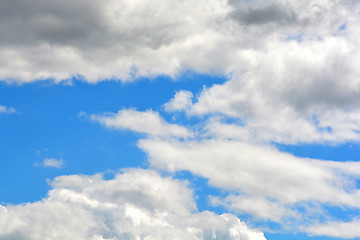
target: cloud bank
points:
(124, 40)
(136, 204)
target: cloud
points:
(259, 207)
(102, 40)
(258, 170)
(278, 182)
(292, 92)
(125, 40)
(330, 127)
(136, 204)
(180, 102)
(8, 110)
(337, 229)
(147, 122)
(262, 12)
(52, 163)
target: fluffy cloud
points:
(292, 92)
(129, 39)
(147, 122)
(106, 39)
(181, 101)
(9, 110)
(136, 204)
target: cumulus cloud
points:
(8, 110)
(103, 40)
(147, 122)
(181, 101)
(129, 39)
(292, 92)
(136, 204)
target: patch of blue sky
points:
(343, 27)
(294, 236)
(49, 126)
(341, 152)
(345, 214)
(202, 191)
(297, 38)
(319, 128)
(232, 120)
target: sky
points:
(196, 120)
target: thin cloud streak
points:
(7, 110)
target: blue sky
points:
(48, 124)
(179, 120)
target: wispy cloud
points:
(262, 181)
(51, 163)
(148, 122)
(339, 229)
(7, 110)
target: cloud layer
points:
(122, 40)
(102, 40)
(136, 204)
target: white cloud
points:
(8, 110)
(136, 204)
(126, 39)
(292, 92)
(259, 207)
(278, 182)
(130, 39)
(337, 229)
(52, 163)
(147, 122)
(181, 101)
(328, 127)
